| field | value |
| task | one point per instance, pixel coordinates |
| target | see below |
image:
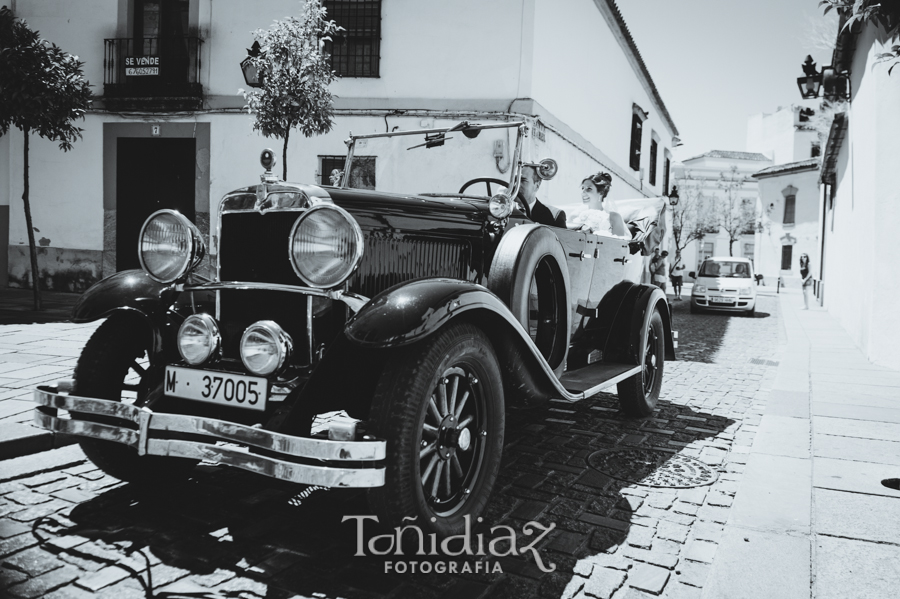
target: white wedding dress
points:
(596, 221)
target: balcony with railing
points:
(154, 73)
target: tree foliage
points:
(694, 217)
(42, 90)
(736, 212)
(295, 74)
(42, 87)
(885, 13)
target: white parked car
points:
(724, 283)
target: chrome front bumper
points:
(147, 439)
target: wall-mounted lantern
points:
(251, 73)
(833, 84)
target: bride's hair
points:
(599, 179)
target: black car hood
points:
(408, 212)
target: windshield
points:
(737, 270)
(439, 164)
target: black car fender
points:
(630, 320)
(410, 312)
(129, 292)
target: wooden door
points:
(151, 174)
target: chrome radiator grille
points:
(389, 261)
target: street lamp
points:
(834, 84)
(251, 72)
(673, 196)
(811, 81)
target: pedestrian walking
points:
(807, 279)
(677, 278)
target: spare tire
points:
(529, 273)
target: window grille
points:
(707, 248)
(654, 148)
(787, 252)
(362, 175)
(355, 51)
(636, 128)
(330, 164)
(790, 203)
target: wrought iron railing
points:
(155, 70)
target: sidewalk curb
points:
(18, 440)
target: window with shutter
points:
(787, 252)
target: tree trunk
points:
(32, 250)
(730, 244)
(284, 156)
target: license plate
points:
(722, 300)
(221, 388)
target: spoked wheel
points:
(115, 365)
(440, 407)
(638, 394)
(452, 439)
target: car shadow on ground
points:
(700, 335)
(240, 534)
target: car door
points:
(580, 260)
(613, 263)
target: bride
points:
(594, 216)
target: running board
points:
(592, 379)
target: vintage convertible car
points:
(420, 316)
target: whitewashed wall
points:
(862, 273)
(781, 135)
(444, 61)
(583, 76)
(803, 235)
(429, 49)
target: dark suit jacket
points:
(546, 215)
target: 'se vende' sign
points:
(141, 65)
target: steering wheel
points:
(487, 181)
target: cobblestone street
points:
(68, 530)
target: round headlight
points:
(500, 205)
(198, 338)
(169, 246)
(326, 246)
(265, 347)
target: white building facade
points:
(181, 139)
(789, 220)
(861, 199)
(713, 176)
(788, 208)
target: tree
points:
(42, 90)
(736, 212)
(885, 13)
(694, 217)
(295, 73)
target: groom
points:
(529, 183)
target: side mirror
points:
(692, 274)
